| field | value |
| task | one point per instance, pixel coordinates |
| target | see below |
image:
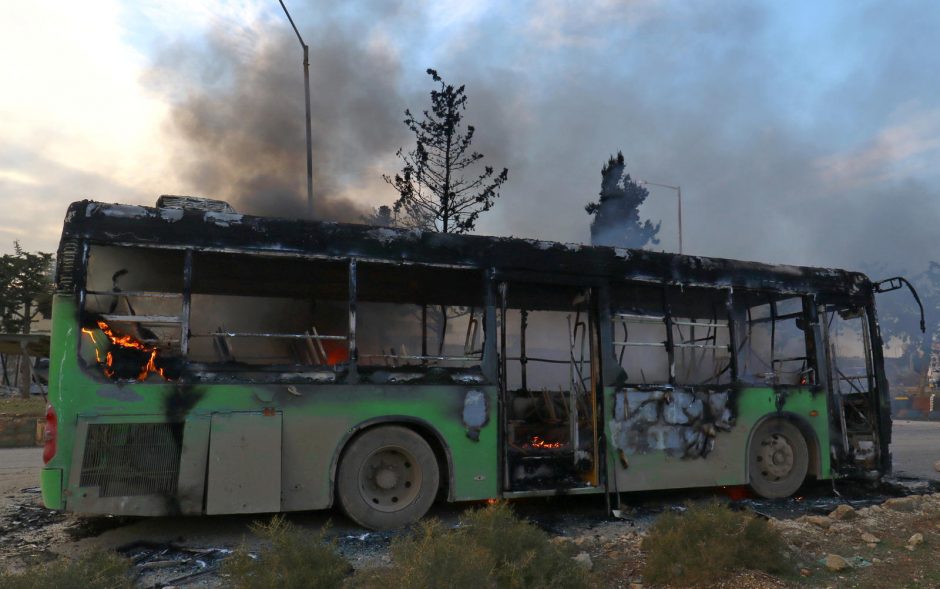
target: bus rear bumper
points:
(50, 481)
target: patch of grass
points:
(707, 542)
(32, 407)
(98, 570)
(491, 548)
(293, 558)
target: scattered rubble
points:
(584, 559)
(906, 504)
(915, 541)
(827, 535)
(834, 562)
(844, 512)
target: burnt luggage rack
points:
(157, 320)
(310, 339)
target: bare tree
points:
(433, 192)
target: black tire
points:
(777, 459)
(388, 477)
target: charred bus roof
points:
(215, 230)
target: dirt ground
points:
(186, 552)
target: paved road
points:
(19, 469)
(17, 459)
(916, 447)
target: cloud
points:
(73, 118)
(567, 23)
(908, 145)
(33, 210)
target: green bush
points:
(491, 548)
(707, 542)
(98, 570)
(292, 558)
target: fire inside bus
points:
(207, 362)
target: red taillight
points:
(49, 434)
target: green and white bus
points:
(207, 362)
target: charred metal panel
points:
(244, 463)
(682, 422)
(191, 490)
(228, 231)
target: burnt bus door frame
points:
(597, 293)
(878, 394)
(883, 396)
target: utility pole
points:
(307, 103)
(678, 190)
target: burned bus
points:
(208, 362)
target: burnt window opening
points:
(641, 334)
(419, 316)
(547, 359)
(149, 311)
(254, 311)
(133, 313)
(777, 346)
(701, 336)
(849, 352)
(672, 335)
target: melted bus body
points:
(206, 362)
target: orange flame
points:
(124, 341)
(538, 442)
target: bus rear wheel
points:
(388, 477)
(778, 459)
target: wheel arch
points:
(809, 434)
(421, 427)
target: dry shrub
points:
(292, 558)
(707, 542)
(492, 548)
(98, 570)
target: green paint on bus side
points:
(755, 403)
(329, 413)
(50, 482)
(726, 464)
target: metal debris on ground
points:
(159, 565)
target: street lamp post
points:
(307, 104)
(678, 190)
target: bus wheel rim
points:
(775, 457)
(390, 479)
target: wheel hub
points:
(389, 479)
(775, 458)
(386, 479)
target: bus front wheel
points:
(778, 459)
(388, 477)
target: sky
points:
(799, 132)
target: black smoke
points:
(752, 112)
(238, 114)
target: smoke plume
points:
(791, 144)
(241, 121)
